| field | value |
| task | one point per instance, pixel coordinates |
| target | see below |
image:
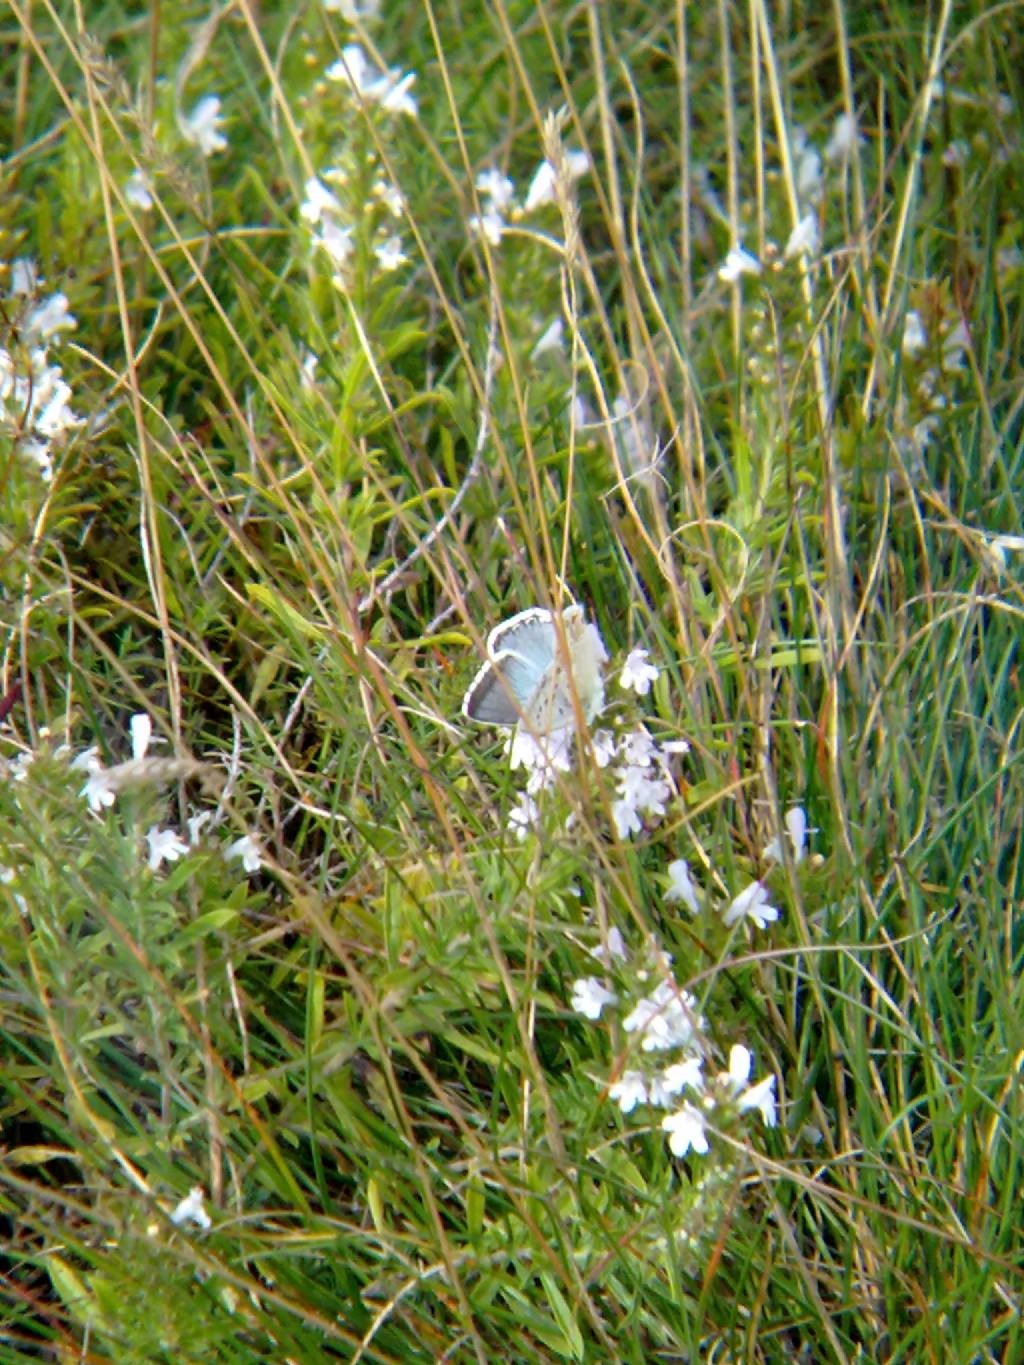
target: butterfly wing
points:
(501, 692)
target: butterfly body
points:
(537, 670)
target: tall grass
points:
(316, 455)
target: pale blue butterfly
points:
(525, 679)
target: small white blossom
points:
(637, 673)
(196, 825)
(490, 225)
(354, 11)
(164, 846)
(390, 254)
(496, 188)
(49, 318)
(390, 89)
(843, 140)
(589, 997)
(761, 1097)
(681, 887)
(99, 791)
(956, 154)
(248, 850)
(391, 197)
(686, 1130)
(737, 263)
(318, 202)
(551, 339)
(523, 817)
(637, 748)
(191, 1210)
(605, 747)
(795, 821)
(203, 126)
(804, 239)
(138, 190)
(663, 1089)
(24, 278)
(142, 732)
(613, 947)
(335, 240)
(543, 187)
(915, 338)
(667, 1018)
(808, 176)
(752, 904)
(629, 1091)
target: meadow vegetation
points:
(334, 1026)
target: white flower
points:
(542, 187)
(191, 1210)
(164, 846)
(203, 126)
(686, 1130)
(752, 904)
(335, 240)
(543, 756)
(489, 225)
(138, 190)
(196, 825)
(681, 887)
(605, 747)
(248, 850)
(915, 338)
(99, 791)
(637, 673)
(956, 154)
(49, 318)
(629, 1091)
(24, 278)
(843, 140)
(645, 794)
(796, 828)
(551, 339)
(589, 997)
(740, 1061)
(142, 732)
(496, 188)
(737, 263)
(318, 201)
(390, 254)
(637, 748)
(808, 176)
(804, 239)
(761, 1097)
(391, 197)
(523, 817)
(626, 818)
(663, 1089)
(390, 89)
(666, 1018)
(614, 947)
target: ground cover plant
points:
(510, 761)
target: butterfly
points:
(525, 680)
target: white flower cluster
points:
(389, 89)
(931, 385)
(323, 211)
(805, 237)
(103, 786)
(667, 1019)
(497, 194)
(35, 399)
(640, 767)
